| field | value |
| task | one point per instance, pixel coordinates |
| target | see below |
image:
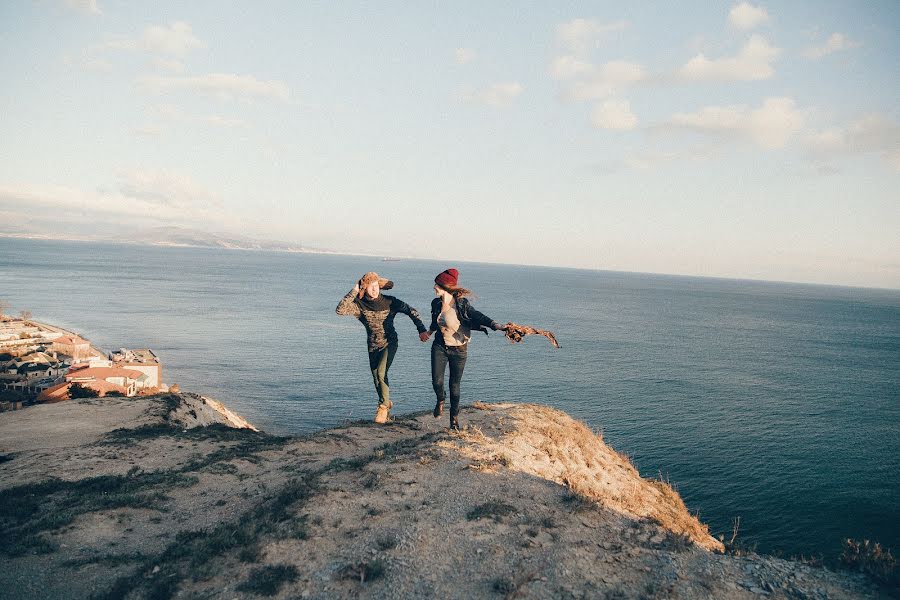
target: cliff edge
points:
(176, 496)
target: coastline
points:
(155, 500)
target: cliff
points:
(175, 496)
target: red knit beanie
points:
(447, 278)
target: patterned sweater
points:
(378, 317)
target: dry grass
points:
(550, 444)
(870, 558)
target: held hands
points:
(424, 336)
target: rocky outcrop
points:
(193, 410)
(163, 497)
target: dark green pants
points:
(380, 361)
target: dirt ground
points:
(163, 497)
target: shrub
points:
(79, 391)
(870, 558)
(490, 510)
(268, 580)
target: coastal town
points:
(41, 363)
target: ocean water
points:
(778, 403)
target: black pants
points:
(440, 356)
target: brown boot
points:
(438, 409)
(382, 415)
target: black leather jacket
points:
(467, 314)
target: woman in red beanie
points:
(453, 319)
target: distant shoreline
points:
(380, 255)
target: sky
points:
(748, 140)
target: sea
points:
(776, 403)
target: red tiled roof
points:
(104, 373)
(103, 387)
(55, 393)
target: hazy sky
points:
(739, 140)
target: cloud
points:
(165, 188)
(224, 85)
(747, 16)
(606, 80)
(498, 95)
(168, 45)
(652, 158)
(872, 134)
(770, 126)
(570, 67)
(86, 6)
(175, 40)
(147, 130)
(580, 35)
(614, 114)
(176, 115)
(835, 43)
(143, 196)
(464, 56)
(752, 63)
(88, 62)
(170, 65)
(168, 114)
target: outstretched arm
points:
(483, 320)
(400, 306)
(347, 306)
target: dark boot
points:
(438, 409)
(454, 424)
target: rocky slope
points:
(164, 497)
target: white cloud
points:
(747, 16)
(224, 85)
(464, 55)
(614, 114)
(220, 121)
(175, 40)
(88, 62)
(580, 35)
(147, 130)
(498, 95)
(165, 188)
(143, 196)
(170, 65)
(872, 134)
(770, 126)
(570, 67)
(753, 62)
(607, 80)
(652, 158)
(835, 43)
(86, 6)
(168, 114)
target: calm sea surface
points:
(778, 403)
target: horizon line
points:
(313, 250)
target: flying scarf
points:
(515, 333)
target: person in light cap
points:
(452, 320)
(376, 311)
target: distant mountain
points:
(181, 236)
